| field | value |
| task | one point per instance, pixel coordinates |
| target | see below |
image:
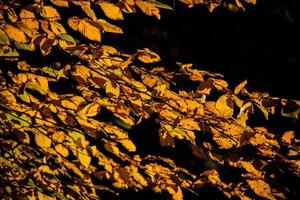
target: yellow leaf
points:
(49, 13)
(112, 89)
(128, 144)
(240, 86)
(175, 192)
(15, 34)
(225, 106)
(189, 124)
(111, 10)
(223, 141)
(249, 167)
(148, 56)
(60, 3)
(42, 196)
(59, 136)
(137, 176)
(245, 110)
(84, 157)
(112, 148)
(61, 150)
(68, 104)
(57, 28)
(28, 19)
(261, 188)
(288, 136)
(42, 140)
(90, 110)
(86, 7)
(220, 84)
(148, 8)
(108, 27)
(88, 28)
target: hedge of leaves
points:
(66, 127)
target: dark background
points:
(258, 44)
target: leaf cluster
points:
(63, 145)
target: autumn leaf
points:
(49, 13)
(111, 10)
(15, 34)
(42, 140)
(84, 157)
(107, 27)
(28, 19)
(148, 8)
(61, 150)
(240, 87)
(225, 106)
(261, 188)
(148, 56)
(86, 27)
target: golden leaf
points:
(68, 104)
(86, 7)
(57, 28)
(61, 150)
(28, 19)
(42, 140)
(137, 176)
(112, 89)
(107, 27)
(189, 124)
(112, 148)
(175, 192)
(111, 10)
(249, 167)
(225, 106)
(15, 34)
(90, 110)
(261, 188)
(148, 56)
(222, 140)
(288, 136)
(245, 110)
(60, 3)
(49, 13)
(42, 196)
(88, 28)
(148, 8)
(59, 136)
(128, 144)
(84, 157)
(240, 87)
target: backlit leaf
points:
(111, 10)
(225, 106)
(15, 34)
(84, 157)
(86, 27)
(42, 140)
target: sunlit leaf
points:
(42, 140)
(84, 157)
(88, 28)
(15, 34)
(111, 10)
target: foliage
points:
(77, 144)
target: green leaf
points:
(25, 47)
(23, 120)
(8, 52)
(3, 38)
(67, 38)
(123, 124)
